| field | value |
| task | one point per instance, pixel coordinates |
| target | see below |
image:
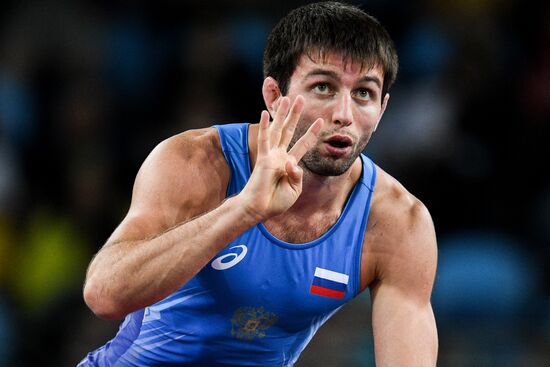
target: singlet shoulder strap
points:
(234, 142)
(369, 172)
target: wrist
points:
(247, 210)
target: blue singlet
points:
(260, 300)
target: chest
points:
(293, 283)
(300, 229)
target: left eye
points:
(363, 93)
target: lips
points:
(338, 144)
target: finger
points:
(263, 136)
(278, 121)
(307, 141)
(291, 121)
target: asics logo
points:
(231, 258)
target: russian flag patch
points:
(329, 283)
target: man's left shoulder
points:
(397, 215)
(399, 239)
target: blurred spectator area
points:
(88, 88)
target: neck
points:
(317, 209)
(327, 193)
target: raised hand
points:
(276, 181)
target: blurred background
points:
(88, 88)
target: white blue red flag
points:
(329, 283)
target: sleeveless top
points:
(260, 300)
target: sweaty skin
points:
(327, 117)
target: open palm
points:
(276, 181)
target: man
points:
(242, 240)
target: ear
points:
(383, 109)
(272, 94)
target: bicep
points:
(404, 329)
(403, 321)
(175, 183)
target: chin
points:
(328, 167)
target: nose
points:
(343, 114)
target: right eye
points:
(321, 88)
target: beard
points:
(327, 165)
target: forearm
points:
(129, 275)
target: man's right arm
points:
(176, 223)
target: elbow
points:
(102, 306)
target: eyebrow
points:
(334, 75)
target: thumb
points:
(294, 173)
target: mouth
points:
(338, 144)
(339, 141)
